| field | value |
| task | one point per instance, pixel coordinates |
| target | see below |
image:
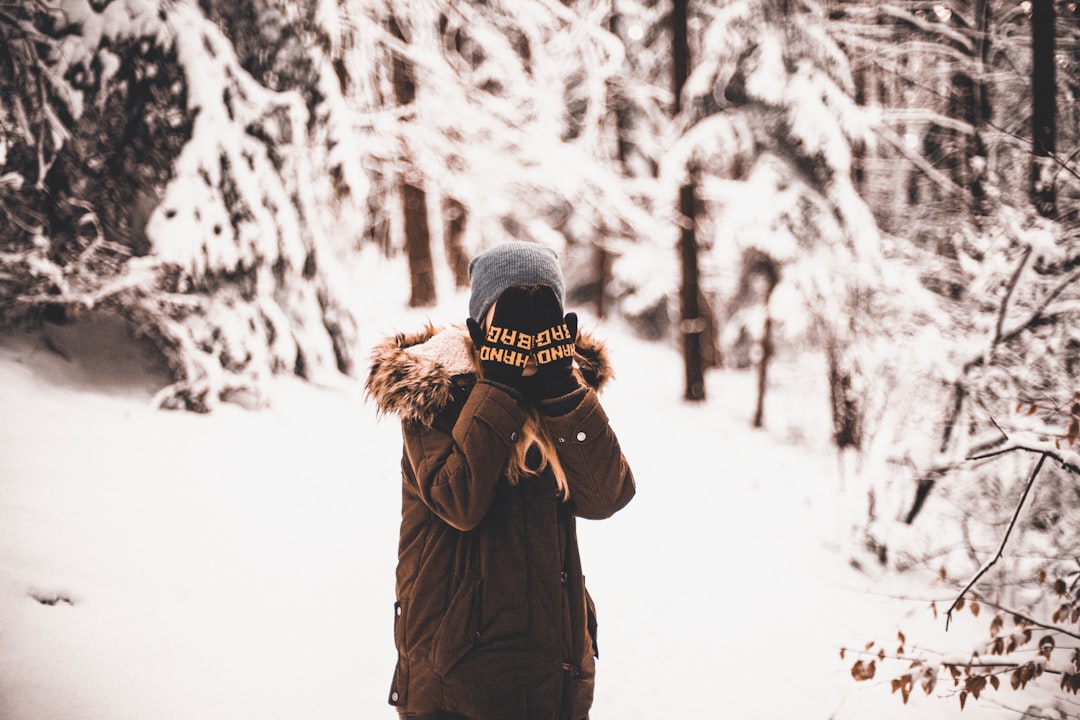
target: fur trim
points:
(412, 375)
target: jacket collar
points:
(412, 375)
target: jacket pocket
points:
(400, 684)
(459, 630)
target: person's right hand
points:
(505, 347)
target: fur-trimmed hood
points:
(413, 374)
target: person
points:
(505, 445)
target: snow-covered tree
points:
(175, 186)
(505, 125)
(768, 125)
(953, 89)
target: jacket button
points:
(581, 436)
(394, 696)
(514, 436)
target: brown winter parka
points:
(492, 618)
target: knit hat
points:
(514, 263)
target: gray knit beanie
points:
(511, 264)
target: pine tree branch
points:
(1001, 548)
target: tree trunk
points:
(691, 324)
(680, 60)
(618, 107)
(1043, 106)
(603, 277)
(456, 217)
(418, 246)
(413, 198)
(970, 102)
(763, 372)
(769, 272)
(847, 417)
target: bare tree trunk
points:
(763, 372)
(1043, 87)
(691, 324)
(765, 267)
(617, 105)
(456, 217)
(969, 101)
(603, 277)
(418, 246)
(846, 413)
(413, 198)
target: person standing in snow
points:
(505, 445)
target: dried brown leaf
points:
(863, 670)
(904, 684)
(928, 679)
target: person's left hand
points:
(555, 335)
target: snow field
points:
(240, 564)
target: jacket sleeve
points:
(599, 477)
(455, 473)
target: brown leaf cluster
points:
(1024, 674)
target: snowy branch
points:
(1040, 310)
(1009, 289)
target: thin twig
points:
(1030, 620)
(1065, 464)
(1001, 548)
(1009, 289)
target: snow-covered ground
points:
(159, 565)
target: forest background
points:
(891, 187)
